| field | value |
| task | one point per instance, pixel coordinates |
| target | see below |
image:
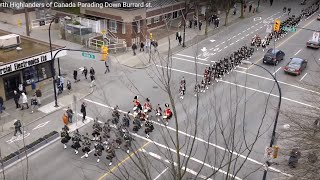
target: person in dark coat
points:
(1, 104)
(75, 75)
(107, 67)
(76, 139)
(200, 24)
(141, 46)
(134, 48)
(65, 137)
(250, 7)
(17, 127)
(85, 72)
(190, 23)
(83, 111)
(16, 97)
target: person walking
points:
(86, 143)
(34, 102)
(69, 114)
(190, 23)
(107, 66)
(83, 111)
(98, 149)
(38, 95)
(195, 24)
(244, 7)
(1, 104)
(24, 101)
(75, 75)
(16, 97)
(289, 11)
(141, 46)
(92, 77)
(110, 154)
(69, 85)
(180, 40)
(200, 24)
(177, 35)
(149, 128)
(76, 139)
(85, 72)
(61, 82)
(250, 8)
(155, 44)
(17, 127)
(134, 48)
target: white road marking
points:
(252, 26)
(244, 31)
(193, 137)
(161, 173)
(238, 40)
(217, 45)
(212, 40)
(242, 38)
(239, 34)
(41, 125)
(225, 47)
(297, 52)
(220, 50)
(249, 28)
(189, 56)
(257, 30)
(303, 77)
(229, 39)
(223, 42)
(174, 163)
(234, 36)
(88, 152)
(276, 71)
(247, 35)
(191, 61)
(231, 44)
(235, 84)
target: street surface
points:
(248, 94)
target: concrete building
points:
(27, 63)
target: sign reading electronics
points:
(16, 66)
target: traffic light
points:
(275, 151)
(150, 36)
(276, 26)
(104, 51)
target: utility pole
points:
(185, 22)
(26, 13)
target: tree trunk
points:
(227, 9)
(207, 23)
(242, 9)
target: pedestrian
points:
(24, 101)
(271, 2)
(92, 77)
(75, 75)
(200, 24)
(107, 67)
(21, 88)
(98, 149)
(155, 44)
(195, 24)
(76, 139)
(250, 7)
(86, 143)
(69, 85)
(39, 95)
(59, 85)
(16, 97)
(180, 40)
(141, 46)
(234, 10)
(83, 111)
(110, 154)
(65, 136)
(134, 48)
(85, 72)
(218, 21)
(289, 11)
(97, 129)
(177, 35)
(34, 102)
(190, 23)
(127, 141)
(61, 82)
(245, 7)
(126, 120)
(159, 112)
(106, 129)
(69, 113)
(17, 127)
(1, 104)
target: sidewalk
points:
(193, 36)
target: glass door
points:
(11, 83)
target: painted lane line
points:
(252, 26)
(303, 77)
(248, 29)
(174, 163)
(223, 42)
(88, 153)
(225, 47)
(217, 45)
(276, 71)
(247, 35)
(160, 173)
(234, 37)
(192, 61)
(193, 137)
(239, 40)
(297, 52)
(189, 56)
(229, 39)
(239, 34)
(242, 38)
(231, 44)
(244, 31)
(220, 50)
(253, 89)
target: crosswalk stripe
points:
(190, 56)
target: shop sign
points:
(29, 62)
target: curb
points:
(46, 115)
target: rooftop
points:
(30, 47)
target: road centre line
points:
(244, 31)
(191, 60)
(223, 42)
(270, 79)
(234, 36)
(239, 40)
(242, 38)
(253, 89)
(297, 52)
(190, 57)
(231, 44)
(239, 34)
(276, 71)
(160, 173)
(198, 139)
(303, 77)
(284, 41)
(175, 164)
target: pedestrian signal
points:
(276, 25)
(104, 51)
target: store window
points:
(36, 73)
(148, 21)
(174, 15)
(123, 28)
(113, 26)
(156, 19)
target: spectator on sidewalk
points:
(200, 24)
(234, 10)
(177, 35)
(69, 85)
(180, 40)
(16, 97)
(190, 23)
(250, 8)
(34, 102)
(17, 127)
(134, 48)
(38, 95)
(61, 82)
(155, 45)
(85, 72)
(83, 111)
(75, 75)
(24, 101)
(1, 104)
(107, 66)
(21, 88)
(244, 7)
(141, 46)
(195, 24)
(218, 21)
(69, 114)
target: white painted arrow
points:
(204, 49)
(41, 125)
(212, 40)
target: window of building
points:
(113, 26)
(174, 15)
(148, 21)
(36, 73)
(156, 19)
(164, 17)
(138, 26)
(123, 28)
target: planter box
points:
(10, 161)
(52, 137)
(42, 143)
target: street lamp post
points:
(184, 24)
(53, 73)
(277, 115)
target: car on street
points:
(318, 18)
(314, 43)
(273, 56)
(295, 66)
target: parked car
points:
(273, 56)
(295, 66)
(313, 43)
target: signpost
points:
(88, 55)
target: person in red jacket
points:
(137, 104)
(167, 114)
(147, 106)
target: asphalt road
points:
(231, 112)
